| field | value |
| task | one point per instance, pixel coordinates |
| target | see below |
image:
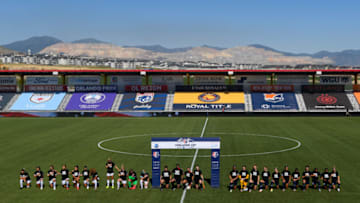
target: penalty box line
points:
(194, 159)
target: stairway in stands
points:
(11, 102)
(169, 102)
(117, 102)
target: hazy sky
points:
(289, 25)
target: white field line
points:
(194, 159)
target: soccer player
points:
(295, 178)
(275, 181)
(315, 179)
(326, 179)
(65, 177)
(187, 182)
(132, 180)
(244, 178)
(24, 178)
(198, 178)
(178, 174)
(122, 177)
(86, 177)
(95, 178)
(306, 178)
(144, 179)
(286, 177)
(39, 176)
(52, 173)
(264, 182)
(76, 177)
(110, 173)
(335, 179)
(165, 178)
(254, 178)
(234, 178)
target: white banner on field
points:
(84, 80)
(250, 80)
(292, 79)
(332, 79)
(7, 80)
(42, 80)
(185, 143)
(122, 81)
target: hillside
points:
(4, 50)
(36, 44)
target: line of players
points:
(90, 177)
(254, 179)
(180, 179)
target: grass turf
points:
(326, 141)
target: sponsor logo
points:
(184, 140)
(215, 155)
(144, 98)
(40, 98)
(156, 154)
(274, 97)
(326, 99)
(209, 97)
(93, 98)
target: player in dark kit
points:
(234, 178)
(198, 178)
(122, 177)
(286, 177)
(24, 178)
(315, 179)
(39, 176)
(177, 177)
(244, 179)
(165, 178)
(254, 178)
(335, 179)
(76, 177)
(110, 173)
(264, 182)
(65, 177)
(187, 182)
(95, 178)
(326, 179)
(306, 178)
(295, 179)
(86, 177)
(52, 173)
(275, 181)
(144, 179)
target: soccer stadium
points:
(110, 134)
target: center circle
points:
(298, 144)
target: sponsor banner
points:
(331, 79)
(122, 81)
(45, 88)
(209, 88)
(323, 88)
(8, 88)
(8, 80)
(156, 168)
(146, 88)
(292, 79)
(356, 88)
(328, 101)
(170, 80)
(357, 96)
(95, 88)
(215, 168)
(208, 80)
(84, 80)
(91, 101)
(38, 101)
(148, 101)
(272, 88)
(208, 100)
(42, 80)
(251, 80)
(4, 99)
(185, 143)
(274, 101)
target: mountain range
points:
(261, 53)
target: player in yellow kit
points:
(244, 179)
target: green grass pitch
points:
(326, 141)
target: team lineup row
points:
(188, 179)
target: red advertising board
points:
(272, 88)
(45, 88)
(146, 88)
(7, 88)
(356, 88)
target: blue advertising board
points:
(30, 101)
(143, 101)
(91, 101)
(274, 101)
